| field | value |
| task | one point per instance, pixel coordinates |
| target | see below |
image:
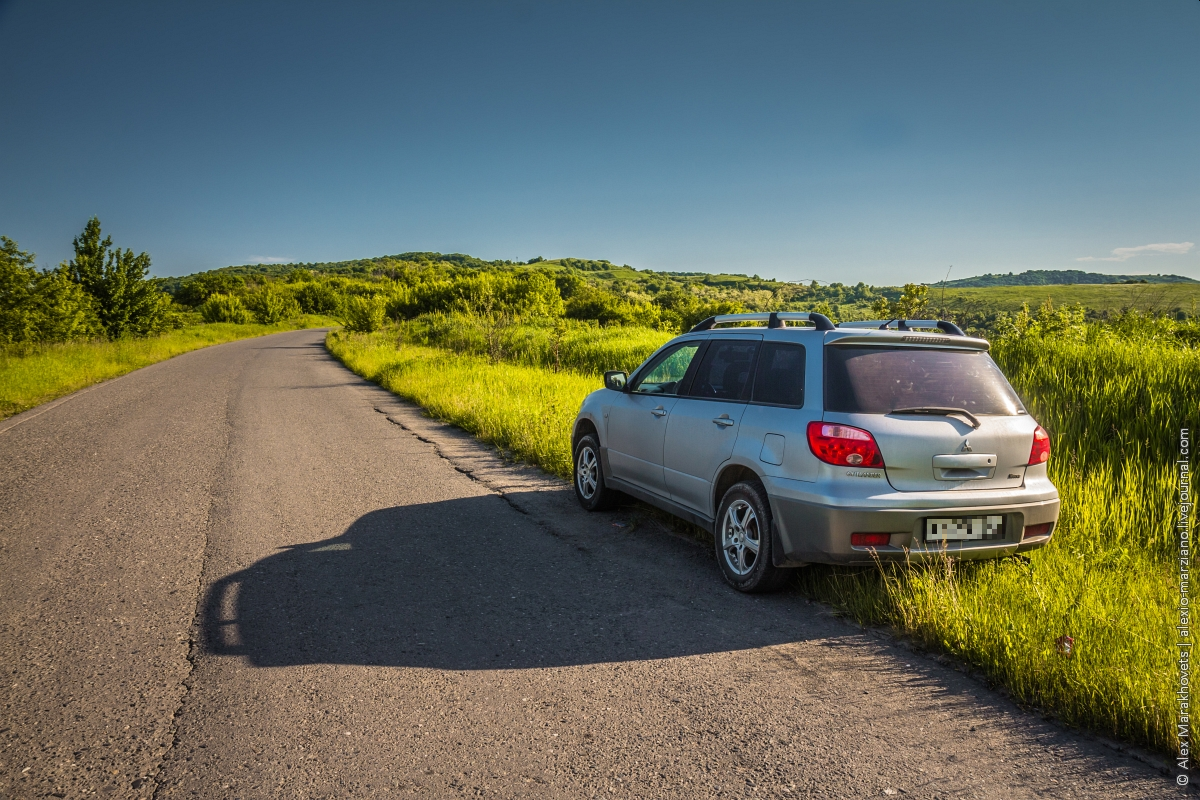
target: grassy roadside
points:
(34, 375)
(1106, 580)
(526, 411)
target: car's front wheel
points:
(590, 488)
(743, 540)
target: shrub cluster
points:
(517, 292)
(102, 291)
(40, 306)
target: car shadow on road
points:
(472, 584)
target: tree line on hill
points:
(365, 294)
(366, 303)
(105, 291)
(568, 288)
(1058, 277)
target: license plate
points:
(961, 529)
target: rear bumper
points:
(817, 529)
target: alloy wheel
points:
(587, 473)
(740, 537)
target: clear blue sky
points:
(875, 141)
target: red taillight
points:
(870, 539)
(843, 445)
(1038, 530)
(1040, 452)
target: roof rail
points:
(774, 319)
(905, 325)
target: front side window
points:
(666, 373)
(724, 372)
(879, 380)
(779, 379)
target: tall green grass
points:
(1113, 408)
(582, 346)
(34, 374)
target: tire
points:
(590, 488)
(743, 540)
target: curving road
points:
(246, 573)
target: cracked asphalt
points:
(245, 573)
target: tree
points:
(912, 303)
(39, 306)
(126, 303)
(64, 310)
(17, 280)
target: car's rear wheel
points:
(590, 488)
(743, 540)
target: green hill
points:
(972, 301)
(1060, 277)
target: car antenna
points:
(944, 290)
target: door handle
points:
(724, 421)
(659, 412)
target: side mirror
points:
(615, 379)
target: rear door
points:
(870, 387)
(637, 419)
(780, 409)
(704, 424)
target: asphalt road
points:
(246, 573)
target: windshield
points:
(878, 380)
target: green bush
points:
(316, 297)
(44, 306)
(364, 314)
(559, 344)
(225, 308)
(195, 291)
(270, 305)
(683, 309)
(523, 294)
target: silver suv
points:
(824, 443)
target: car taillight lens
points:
(843, 445)
(1040, 452)
(870, 539)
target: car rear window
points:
(878, 380)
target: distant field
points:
(1159, 298)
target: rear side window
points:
(878, 380)
(779, 380)
(724, 372)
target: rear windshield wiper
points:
(940, 412)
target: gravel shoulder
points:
(245, 572)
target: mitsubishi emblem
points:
(966, 447)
